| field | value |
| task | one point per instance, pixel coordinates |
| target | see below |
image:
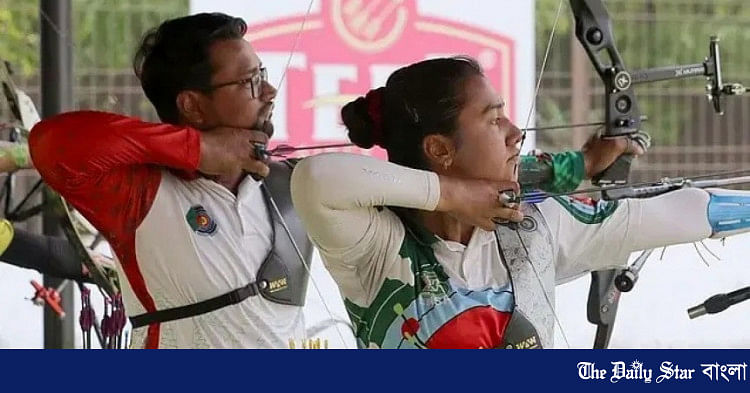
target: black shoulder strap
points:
(282, 278)
(191, 310)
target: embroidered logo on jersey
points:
(200, 221)
(433, 290)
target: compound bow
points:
(623, 118)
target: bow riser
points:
(594, 31)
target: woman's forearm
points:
(336, 194)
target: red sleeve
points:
(108, 165)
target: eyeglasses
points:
(254, 83)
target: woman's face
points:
(487, 144)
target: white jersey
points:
(179, 238)
(199, 241)
(405, 289)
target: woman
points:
(413, 244)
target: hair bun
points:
(363, 118)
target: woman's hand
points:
(599, 153)
(478, 202)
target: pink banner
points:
(351, 46)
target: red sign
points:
(352, 46)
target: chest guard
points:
(282, 278)
(526, 250)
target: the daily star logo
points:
(352, 46)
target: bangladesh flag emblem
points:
(200, 221)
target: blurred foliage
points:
(106, 32)
(20, 35)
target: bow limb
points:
(105, 278)
(601, 307)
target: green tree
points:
(20, 35)
(106, 32)
(105, 36)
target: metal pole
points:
(57, 97)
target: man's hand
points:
(477, 202)
(226, 150)
(599, 154)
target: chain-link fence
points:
(689, 138)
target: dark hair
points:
(418, 100)
(174, 57)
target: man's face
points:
(239, 96)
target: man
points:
(174, 200)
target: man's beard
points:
(264, 123)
